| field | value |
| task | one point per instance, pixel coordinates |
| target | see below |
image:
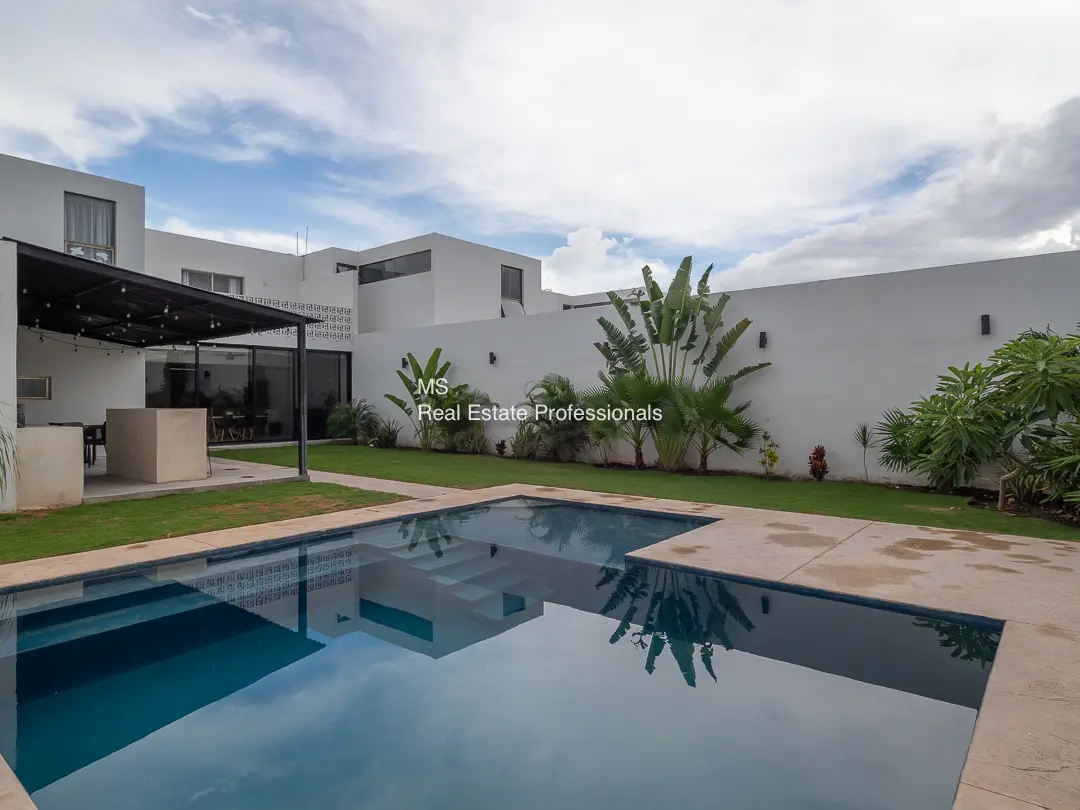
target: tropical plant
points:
(423, 389)
(681, 329)
(9, 460)
(558, 415)
(705, 415)
(864, 437)
(634, 394)
(819, 467)
(462, 434)
(356, 420)
(526, 441)
(500, 447)
(679, 612)
(767, 455)
(1057, 460)
(385, 435)
(967, 642)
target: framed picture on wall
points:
(33, 388)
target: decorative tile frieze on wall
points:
(336, 323)
(268, 583)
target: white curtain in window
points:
(89, 221)
(203, 281)
(230, 285)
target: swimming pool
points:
(496, 656)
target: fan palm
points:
(711, 422)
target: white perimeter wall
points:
(397, 303)
(9, 311)
(843, 351)
(84, 383)
(32, 206)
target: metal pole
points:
(301, 382)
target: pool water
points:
(492, 657)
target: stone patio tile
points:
(751, 544)
(12, 794)
(1027, 738)
(973, 798)
(86, 562)
(998, 576)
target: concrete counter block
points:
(50, 467)
(158, 445)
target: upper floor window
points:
(214, 282)
(90, 227)
(511, 284)
(395, 268)
(345, 268)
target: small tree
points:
(422, 390)
(864, 437)
(767, 455)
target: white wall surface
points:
(9, 310)
(397, 303)
(843, 351)
(84, 383)
(32, 206)
(266, 273)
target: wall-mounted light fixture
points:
(985, 324)
(404, 363)
(491, 358)
(763, 340)
(765, 605)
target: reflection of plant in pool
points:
(682, 613)
(435, 530)
(967, 643)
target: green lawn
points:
(46, 533)
(842, 499)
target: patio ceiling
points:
(87, 299)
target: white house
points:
(842, 351)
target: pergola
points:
(93, 301)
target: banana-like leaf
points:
(432, 364)
(744, 371)
(624, 312)
(703, 282)
(628, 349)
(400, 403)
(675, 301)
(725, 344)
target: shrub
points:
(385, 435)
(819, 467)
(865, 438)
(356, 420)
(526, 441)
(500, 447)
(559, 437)
(767, 455)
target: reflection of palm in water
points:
(967, 643)
(595, 532)
(435, 530)
(682, 613)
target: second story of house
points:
(423, 281)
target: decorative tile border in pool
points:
(1025, 750)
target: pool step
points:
(423, 558)
(467, 571)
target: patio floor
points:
(99, 486)
(1025, 750)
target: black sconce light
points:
(491, 358)
(764, 605)
(763, 340)
(985, 323)
(404, 363)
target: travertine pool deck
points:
(1025, 752)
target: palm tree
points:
(9, 460)
(683, 613)
(635, 392)
(356, 420)
(673, 326)
(712, 422)
(560, 438)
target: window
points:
(33, 388)
(214, 282)
(397, 267)
(511, 284)
(90, 228)
(345, 268)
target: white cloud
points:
(591, 262)
(266, 240)
(707, 124)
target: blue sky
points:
(780, 142)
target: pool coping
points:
(1030, 716)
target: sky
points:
(782, 140)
